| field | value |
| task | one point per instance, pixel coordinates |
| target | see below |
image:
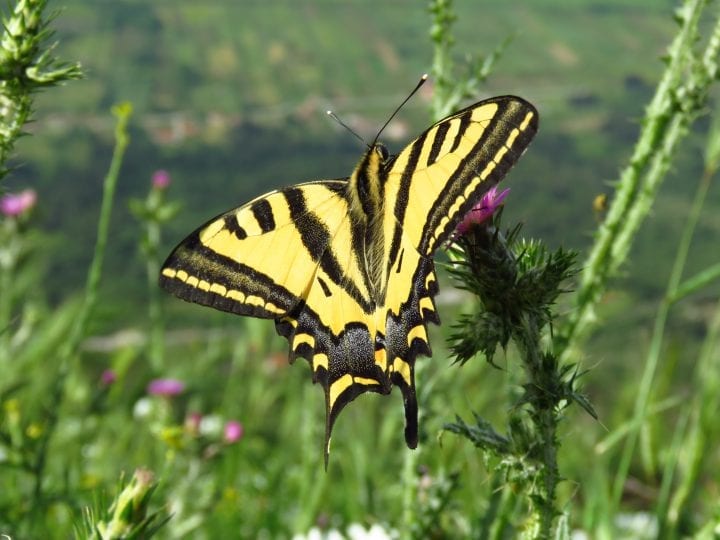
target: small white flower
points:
(317, 534)
(312, 534)
(211, 425)
(376, 532)
(356, 532)
(639, 525)
(143, 407)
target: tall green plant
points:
(67, 351)
(694, 448)
(516, 284)
(679, 98)
(153, 212)
(27, 66)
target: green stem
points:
(705, 401)
(92, 285)
(157, 340)
(26, 66)
(504, 514)
(669, 472)
(69, 347)
(543, 377)
(409, 493)
(677, 100)
(13, 129)
(653, 355)
(442, 66)
(7, 269)
(311, 485)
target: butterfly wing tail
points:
(408, 339)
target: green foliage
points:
(680, 97)
(128, 516)
(153, 213)
(516, 283)
(510, 309)
(27, 65)
(451, 88)
(76, 411)
(513, 279)
(226, 102)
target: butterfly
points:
(345, 267)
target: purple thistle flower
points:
(14, 204)
(233, 431)
(482, 210)
(108, 377)
(166, 387)
(161, 179)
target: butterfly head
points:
(382, 151)
(375, 159)
(378, 155)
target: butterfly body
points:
(345, 266)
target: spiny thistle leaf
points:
(481, 435)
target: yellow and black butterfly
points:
(345, 266)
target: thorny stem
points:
(451, 88)
(679, 97)
(517, 283)
(545, 419)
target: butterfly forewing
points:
(437, 178)
(251, 260)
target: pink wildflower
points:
(108, 377)
(233, 431)
(161, 179)
(192, 422)
(482, 210)
(14, 204)
(166, 387)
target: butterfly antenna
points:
(411, 94)
(343, 124)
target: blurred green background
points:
(230, 98)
